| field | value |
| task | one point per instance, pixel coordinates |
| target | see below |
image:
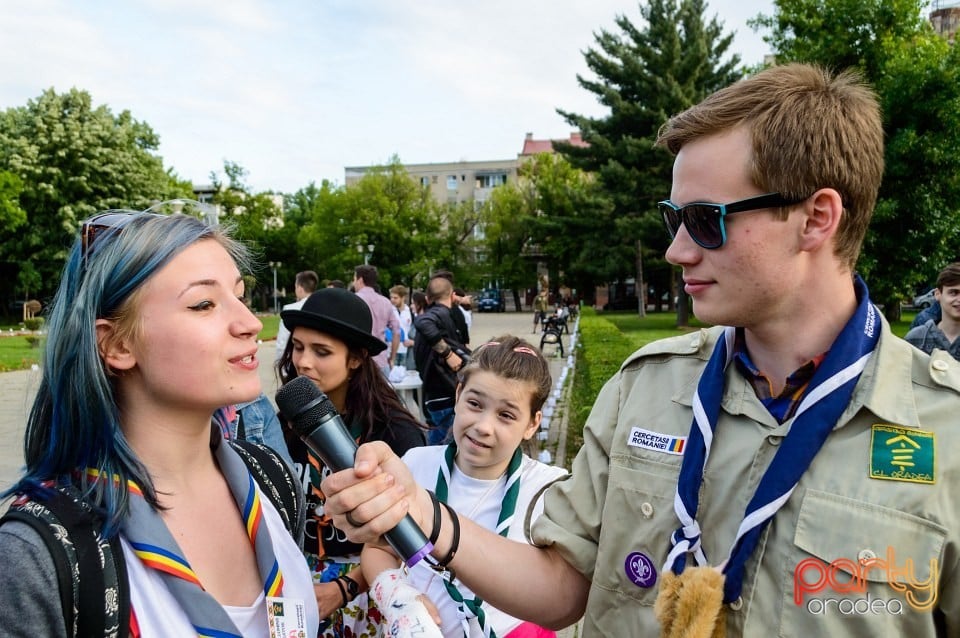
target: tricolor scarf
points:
(152, 542)
(473, 607)
(826, 397)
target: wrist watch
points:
(353, 588)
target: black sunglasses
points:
(704, 221)
(108, 223)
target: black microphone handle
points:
(332, 442)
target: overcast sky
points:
(296, 90)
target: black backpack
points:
(91, 571)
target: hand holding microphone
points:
(313, 417)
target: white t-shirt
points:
(406, 321)
(478, 500)
(159, 615)
(283, 335)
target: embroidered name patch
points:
(655, 441)
(902, 454)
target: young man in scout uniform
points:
(788, 475)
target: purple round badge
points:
(640, 570)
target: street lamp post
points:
(274, 265)
(367, 254)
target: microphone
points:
(312, 416)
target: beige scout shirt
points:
(619, 501)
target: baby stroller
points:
(552, 333)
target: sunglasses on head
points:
(108, 223)
(704, 221)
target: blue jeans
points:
(442, 421)
(261, 425)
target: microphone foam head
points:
(303, 404)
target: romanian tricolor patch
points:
(656, 441)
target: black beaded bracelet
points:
(441, 565)
(435, 531)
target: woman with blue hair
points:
(148, 338)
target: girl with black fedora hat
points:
(331, 343)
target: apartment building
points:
(945, 18)
(455, 182)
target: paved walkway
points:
(17, 390)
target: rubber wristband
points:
(343, 592)
(435, 531)
(441, 565)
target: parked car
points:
(490, 300)
(925, 300)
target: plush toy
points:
(691, 605)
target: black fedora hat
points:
(337, 312)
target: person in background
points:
(932, 311)
(464, 302)
(439, 355)
(945, 333)
(541, 304)
(398, 297)
(798, 408)
(459, 319)
(304, 284)
(148, 338)
(331, 344)
(336, 283)
(257, 421)
(384, 315)
(483, 473)
(418, 303)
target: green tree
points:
(386, 209)
(12, 216)
(256, 218)
(914, 230)
(73, 159)
(509, 216)
(644, 75)
(310, 228)
(549, 214)
(841, 33)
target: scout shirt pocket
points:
(638, 519)
(860, 569)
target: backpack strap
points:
(278, 482)
(91, 572)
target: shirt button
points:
(737, 605)
(647, 510)
(865, 555)
(940, 365)
(774, 440)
